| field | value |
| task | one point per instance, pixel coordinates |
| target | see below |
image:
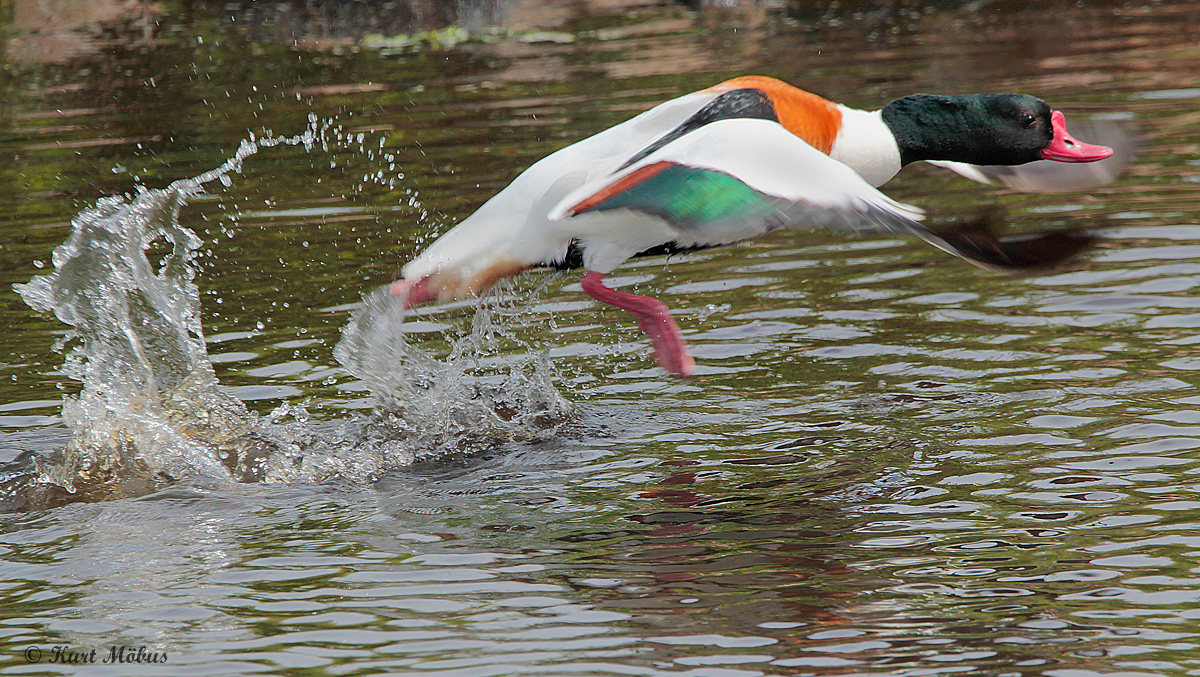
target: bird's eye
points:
(1027, 119)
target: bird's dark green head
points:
(983, 129)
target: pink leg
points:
(653, 317)
(413, 292)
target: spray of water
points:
(466, 401)
(152, 412)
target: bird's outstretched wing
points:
(1046, 176)
(732, 180)
(980, 241)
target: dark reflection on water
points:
(889, 463)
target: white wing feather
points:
(812, 189)
(513, 222)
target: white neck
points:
(867, 146)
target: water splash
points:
(463, 402)
(151, 411)
(150, 407)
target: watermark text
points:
(115, 654)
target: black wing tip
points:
(978, 241)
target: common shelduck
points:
(726, 164)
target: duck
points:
(727, 164)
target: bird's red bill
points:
(1065, 148)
